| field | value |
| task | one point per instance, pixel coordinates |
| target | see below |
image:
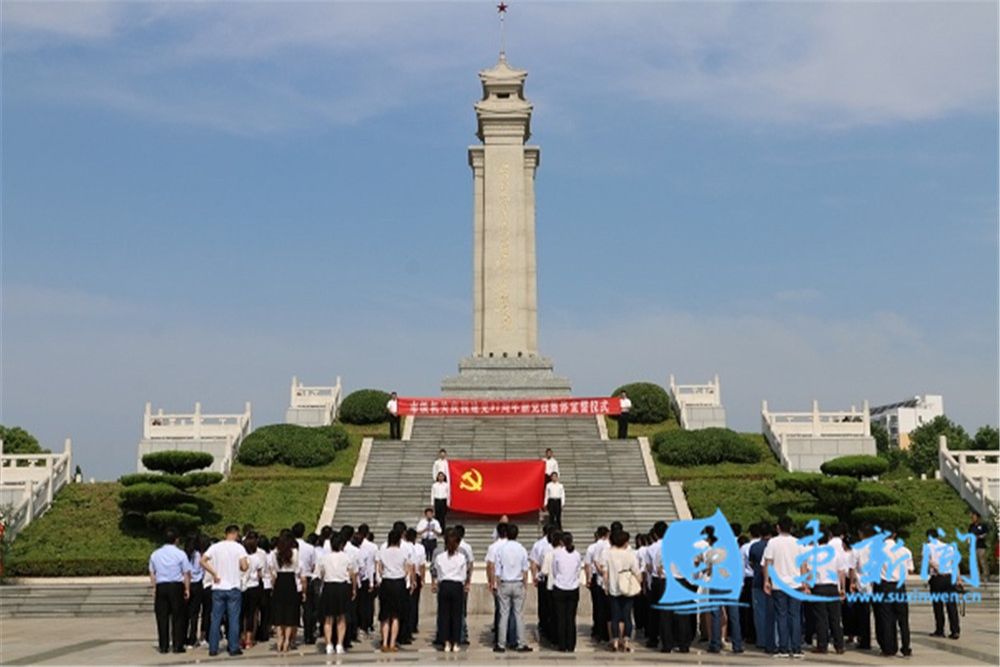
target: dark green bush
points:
(807, 482)
(180, 521)
(705, 447)
(801, 518)
(151, 496)
(299, 446)
(874, 493)
(883, 515)
(856, 466)
(102, 566)
(650, 402)
(151, 478)
(177, 462)
(364, 406)
(199, 479)
(188, 508)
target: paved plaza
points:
(130, 640)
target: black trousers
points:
(564, 605)
(602, 612)
(746, 612)
(863, 624)
(449, 599)
(394, 432)
(309, 615)
(264, 627)
(441, 510)
(546, 613)
(554, 509)
(366, 606)
(942, 584)
(623, 426)
(827, 617)
(656, 587)
(891, 616)
(171, 615)
(206, 610)
(193, 612)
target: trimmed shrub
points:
(856, 466)
(195, 480)
(151, 478)
(883, 515)
(365, 406)
(874, 493)
(298, 446)
(807, 482)
(151, 496)
(650, 402)
(177, 462)
(705, 447)
(180, 521)
(801, 518)
(188, 508)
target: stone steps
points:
(605, 479)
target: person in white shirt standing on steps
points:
(626, 406)
(440, 465)
(440, 495)
(429, 529)
(392, 407)
(555, 500)
(551, 465)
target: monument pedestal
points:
(505, 377)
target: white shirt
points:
(937, 550)
(440, 465)
(829, 573)
(451, 568)
(428, 529)
(891, 570)
(292, 566)
(225, 559)
(783, 551)
(354, 553)
(366, 567)
(555, 491)
(465, 548)
(491, 551)
(745, 553)
(393, 561)
(566, 569)
(510, 562)
(392, 406)
(335, 567)
(538, 550)
(307, 558)
(418, 559)
(258, 564)
(551, 465)
(626, 404)
(617, 561)
(594, 558)
(440, 490)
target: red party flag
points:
(496, 487)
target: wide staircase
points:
(605, 480)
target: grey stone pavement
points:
(130, 640)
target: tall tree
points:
(924, 443)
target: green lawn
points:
(80, 534)
(641, 430)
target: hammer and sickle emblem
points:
(472, 480)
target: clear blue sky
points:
(201, 200)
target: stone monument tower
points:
(504, 361)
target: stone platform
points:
(505, 377)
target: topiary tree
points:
(840, 497)
(165, 499)
(298, 446)
(923, 452)
(858, 466)
(18, 441)
(650, 402)
(365, 406)
(704, 447)
(987, 437)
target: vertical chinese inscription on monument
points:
(502, 265)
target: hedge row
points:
(81, 567)
(364, 406)
(704, 447)
(177, 462)
(190, 480)
(297, 446)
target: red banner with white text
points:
(496, 487)
(511, 407)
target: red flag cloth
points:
(516, 407)
(496, 487)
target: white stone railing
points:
(193, 426)
(779, 427)
(326, 398)
(29, 482)
(975, 474)
(696, 394)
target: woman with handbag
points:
(622, 585)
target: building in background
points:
(901, 418)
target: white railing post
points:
(718, 390)
(30, 487)
(295, 382)
(147, 418)
(866, 418)
(69, 459)
(197, 420)
(815, 419)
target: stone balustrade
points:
(29, 482)
(218, 434)
(975, 474)
(698, 405)
(313, 406)
(803, 441)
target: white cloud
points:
(828, 64)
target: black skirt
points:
(336, 598)
(285, 601)
(392, 598)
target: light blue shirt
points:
(168, 564)
(197, 571)
(510, 562)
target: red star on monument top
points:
(502, 8)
